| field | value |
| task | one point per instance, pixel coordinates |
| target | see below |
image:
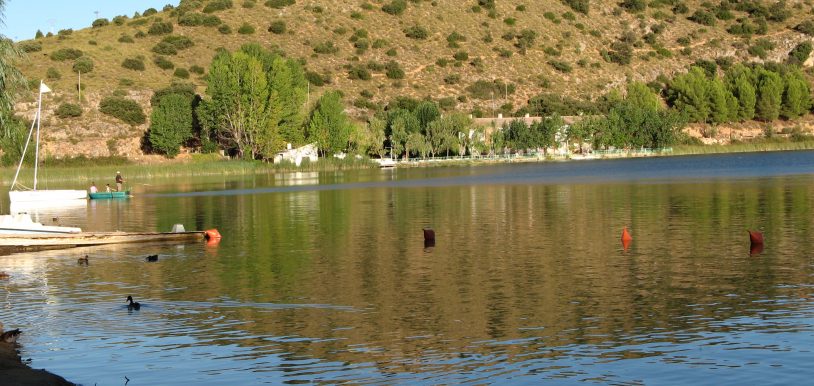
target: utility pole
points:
(79, 88)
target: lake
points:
(325, 277)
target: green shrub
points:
(119, 20)
(278, 3)
(179, 42)
(703, 17)
(124, 82)
(164, 48)
(806, 27)
(249, 3)
(581, 6)
(356, 15)
(217, 5)
(452, 79)
(461, 56)
(395, 7)
(101, 22)
(359, 72)
(65, 32)
(225, 29)
(182, 73)
(160, 28)
(510, 21)
(65, 54)
(391, 52)
(196, 69)
(68, 110)
(149, 12)
(484, 89)
(277, 27)
(133, 64)
(326, 47)
(126, 39)
(52, 73)
(800, 53)
(193, 19)
(83, 64)
(171, 124)
(163, 63)
(126, 110)
(393, 70)
(246, 29)
(416, 32)
(560, 66)
(30, 46)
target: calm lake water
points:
(325, 278)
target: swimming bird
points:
(82, 260)
(132, 305)
(152, 258)
(3, 275)
(10, 336)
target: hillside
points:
(477, 56)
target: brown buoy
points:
(429, 234)
(755, 237)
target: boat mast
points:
(37, 147)
(25, 149)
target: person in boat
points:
(119, 181)
(93, 187)
(107, 188)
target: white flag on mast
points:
(43, 88)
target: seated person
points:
(93, 187)
(107, 188)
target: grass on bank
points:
(87, 169)
(768, 144)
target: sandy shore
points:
(14, 372)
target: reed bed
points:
(744, 147)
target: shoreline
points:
(207, 166)
(14, 372)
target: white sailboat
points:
(19, 193)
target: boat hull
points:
(46, 195)
(67, 240)
(109, 195)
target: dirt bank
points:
(14, 372)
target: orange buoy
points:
(755, 237)
(626, 235)
(212, 234)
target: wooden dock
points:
(68, 240)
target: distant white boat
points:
(386, 163)
(18, 193)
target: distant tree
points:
(642, 96)
(426, 112)
(741, 84)
(83, 64)
(170, 124)
(770, 88)
(416, 143)
(796, 95)
(369, 138)
(719, 102)
(38, 35)
(546, 132)
(689, 94)
(442, 133)
(68, 110)
(329, 126)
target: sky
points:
(24, 17)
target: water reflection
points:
(527, 283)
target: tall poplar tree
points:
(329, 126)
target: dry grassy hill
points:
(520, 48)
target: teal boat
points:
(107, 195)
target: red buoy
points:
(626, 235)
(212, 234)
(755, 237)
(429, 234)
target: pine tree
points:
(689, 94)
(796, 95)
(719, 98)
(770, 88)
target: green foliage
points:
(739, 79)
(217, 5)
(703, 17)
(193, 19)
(328, 125)
(182, 73)
(163, 63)
(134, 64)
(149, 12)
(395, 7)
(416, 32)
(800, 53)
(461, 55)
(633, 5)
(581, 6)
(65, 54)
(101, 22)
(83, 64)
(394, 70)
(245, 29)
(38, 35)
(277, 27)
(689, 94)
(52, 73)
(806, 27)
(560, 66)
(125, 38)
(770, 87)
(68, 110)
(196, 69)
(760, 47)
(278, 3)
(359, 72)
(179, 88)
(171, 124)
(126, 110)
(160, 28)
(483, 89)
(119, 20)
(796, 95)
(225, 29)
(327, 47)
(30, 46)
(13, 138)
